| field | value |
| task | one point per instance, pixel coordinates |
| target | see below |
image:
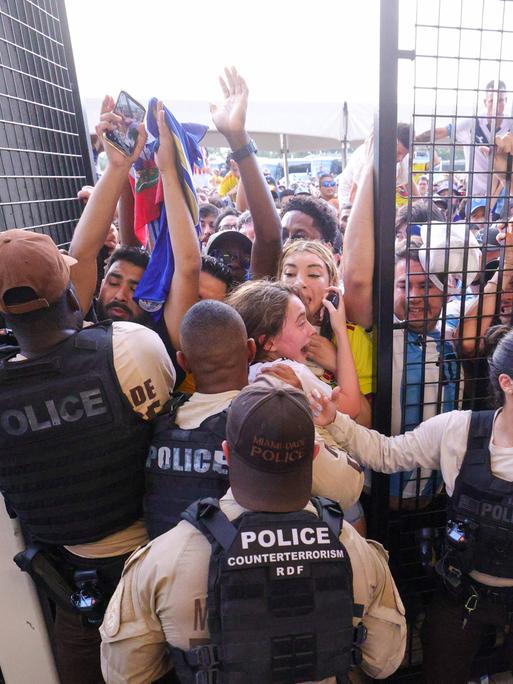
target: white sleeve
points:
(419, 448)
(144, 369)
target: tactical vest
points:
(183, 466)
(480, 528)
(72, 464)
(280, 598)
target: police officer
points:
(185, 460)
(75, 410)
(260, 586)
(474, 451)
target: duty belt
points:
(486, 592)
(461, 586)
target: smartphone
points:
(326, 329)
(124, 138)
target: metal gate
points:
(444, 65)
(44, 161)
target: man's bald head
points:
(214, 342)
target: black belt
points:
(460, 586)
(79, 585)
(492, 594)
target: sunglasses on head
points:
(328, 184)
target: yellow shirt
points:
(361, 349)
(228, 183)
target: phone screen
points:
(132, 114)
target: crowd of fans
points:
(297, 264)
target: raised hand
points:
(229, 116)
(165, 157)
(109, 122)
(284, 373)
(324, 409)
(337, 315)
(322, 352)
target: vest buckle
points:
(206, 507)
(207, 677)
(203, 657)
(360, 634)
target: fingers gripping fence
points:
(44, 153)
(444, 271)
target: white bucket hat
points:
(441, 243)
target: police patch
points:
(287, 550)
(112, 618)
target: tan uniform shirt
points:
(439, 443)
(146, 377)
(335, 474)
(161, 599)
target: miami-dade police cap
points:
(32, 260)
(271, 436)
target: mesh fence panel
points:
(453, 280)
(44, 157)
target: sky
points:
(293, 50)
(288, 50)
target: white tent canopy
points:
(308, 126)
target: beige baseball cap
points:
(32, 260)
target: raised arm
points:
(358, 258)
(348, 400)
(126, 216)
(230, 119)
(182, 234)
(94, 224)
(440, 133)
(419, 448)
(480, 313)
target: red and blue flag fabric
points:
(153, 288)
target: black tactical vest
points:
(480, 529)
(72, 464)
(280, 598)
(183, 466)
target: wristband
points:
(245, 151)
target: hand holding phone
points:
(326, 329)
(124, 134)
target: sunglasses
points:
(328, 184)
(228, 258)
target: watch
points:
(245, 151)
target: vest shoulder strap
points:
(329, 512)
(94, 337)
(177, 400)
(480, 431)
(166, 417)
(216, 424)
(207, 517)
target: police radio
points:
(457, 534)
(89, 600)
